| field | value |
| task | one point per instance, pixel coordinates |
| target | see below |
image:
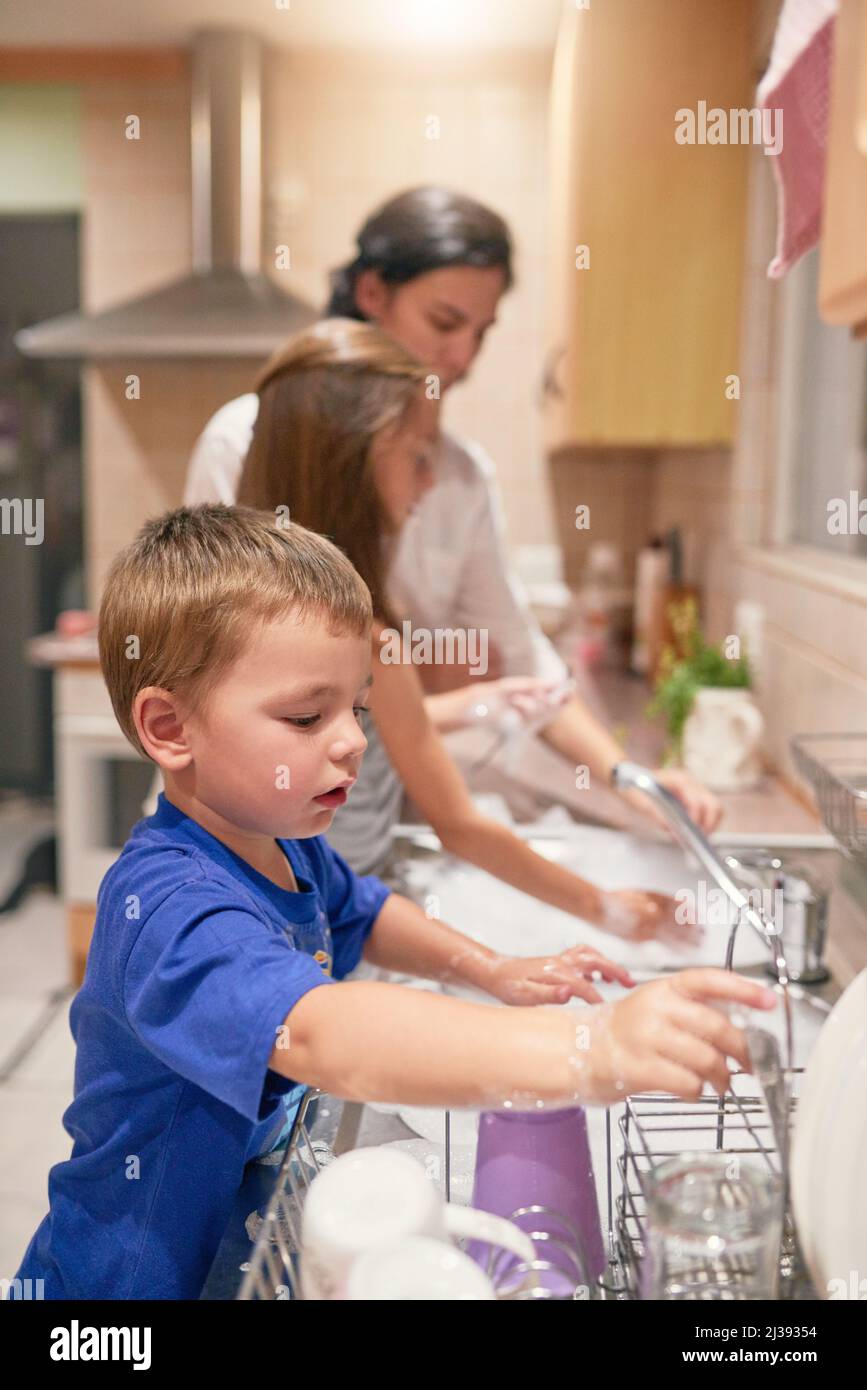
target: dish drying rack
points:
(655, 1127)
(272, 1272)
(836, 766)
(650, 1128)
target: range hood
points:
(226, 307)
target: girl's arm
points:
(436, 786)
(577, 735)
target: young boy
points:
(237, 654)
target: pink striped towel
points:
(796, 87)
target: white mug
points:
(418, 1269)
(375, 1196)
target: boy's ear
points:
(160, 726)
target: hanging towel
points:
(796, 85)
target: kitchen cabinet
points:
(643, 331)
(843, 276)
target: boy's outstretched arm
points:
(368, 1041)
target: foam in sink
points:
(510, 921)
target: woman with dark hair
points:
(430, 270)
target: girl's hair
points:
(420, 230)
(181, 601)
(323, 399)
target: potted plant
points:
(714, 727)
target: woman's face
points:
(441, 317)
(403, 458)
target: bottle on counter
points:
(652, 575)
(597, 603)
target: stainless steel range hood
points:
(227, 307)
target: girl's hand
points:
(531, 698)
(493, 704)
(666, 1036)
(553, 979)
(699, 803)
(640, 916)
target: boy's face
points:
(278, 741)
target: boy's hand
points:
(667, 1036)
(553, 979)
(642, 916)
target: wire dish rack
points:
(655, 1127)
(836, 766)
(273, 1270)
(651, 1128)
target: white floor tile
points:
(50, 1064)
(33, 951)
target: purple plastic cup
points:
(541, 1159)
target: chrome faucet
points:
(626, 776)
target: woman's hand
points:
(666, 1036)
(643, 916)
(699, 803)
(553, 979)
(487, 703)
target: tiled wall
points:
(616, 485)
(691, 490)
(342, 132)
(136, 236)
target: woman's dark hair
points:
(420, 230)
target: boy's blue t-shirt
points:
(196, 960)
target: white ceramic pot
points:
(721, 739)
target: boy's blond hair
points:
(181, 601)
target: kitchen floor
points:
(37, 1053)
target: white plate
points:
(844, 1240)
(829, 1158)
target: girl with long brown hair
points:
(343, 445)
